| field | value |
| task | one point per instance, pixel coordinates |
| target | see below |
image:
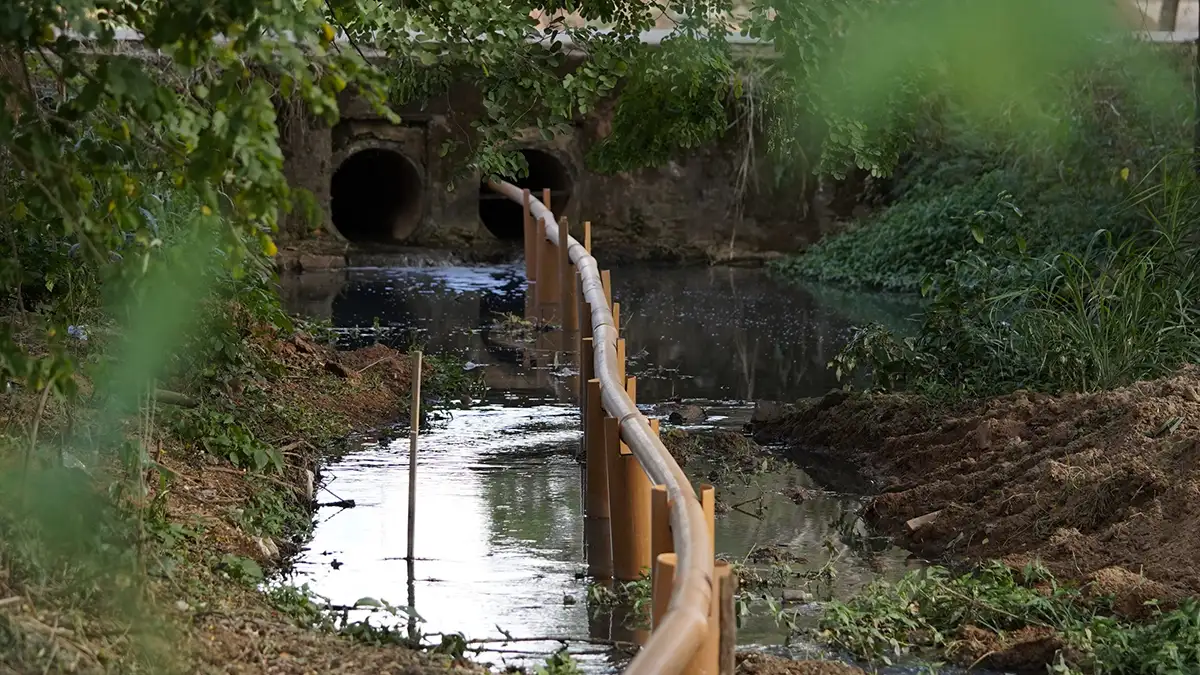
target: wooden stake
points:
(599, 530)
(548, 281)
(706, 659)
(618, 503)
(664, 575)
(638, 486)
(606, 282)
(530, 240)
(660, 536)
(587, 235)
(567, 274)
(725, 587)
(621, 358)
(414, 414)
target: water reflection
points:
(731, 333)
(715, 333)
(498, 529)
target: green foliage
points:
(1117, 312)
(559, 663)
(975, 188)
(924, 613)
(447, 377)
(240, 569)
(634, 597)
(803, 130)
(675, 100)
(305, 607)
(529, 79)
(222, 434)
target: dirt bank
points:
(1102, 487)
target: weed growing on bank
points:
(1119, 310)
(969, 185)
(998, 617)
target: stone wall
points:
(686, 209)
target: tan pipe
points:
(684, 627)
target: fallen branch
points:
(246, 474)
(343, 504)
(375, 363)
(744, 511)
(4, 602)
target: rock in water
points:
(687, 414)
(766, 412)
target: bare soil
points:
(1102, 488)
(750, 663)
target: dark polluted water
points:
(499, 526)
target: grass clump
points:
(1120, 310)
(979, 618)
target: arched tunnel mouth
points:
(503, 217)
(377, 196)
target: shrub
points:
(1122, 310)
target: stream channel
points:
(499, 526)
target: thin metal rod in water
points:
(414, 414)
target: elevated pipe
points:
(684, 628)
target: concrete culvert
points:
(377, 196)
(503, 217)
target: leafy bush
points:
(1122, 310)
(963, 182)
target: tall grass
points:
(1121, 310)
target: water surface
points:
(499, 517)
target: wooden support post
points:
(546, 198)
(567, 274)
(725, 585)
(587, 235)
(708, 503)
(587, 357)
(530, 239)
(548, 277)
(598, 515)
(637, 485)
(706, 659)
(618, 504)
(621, 358)
(664, 575)
(414, 423)
(585, 349)
(660, 536)
(606, 282)
(616, 312)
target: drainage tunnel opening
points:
(503, 217)
(377, 195)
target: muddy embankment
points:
(1101, 488)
